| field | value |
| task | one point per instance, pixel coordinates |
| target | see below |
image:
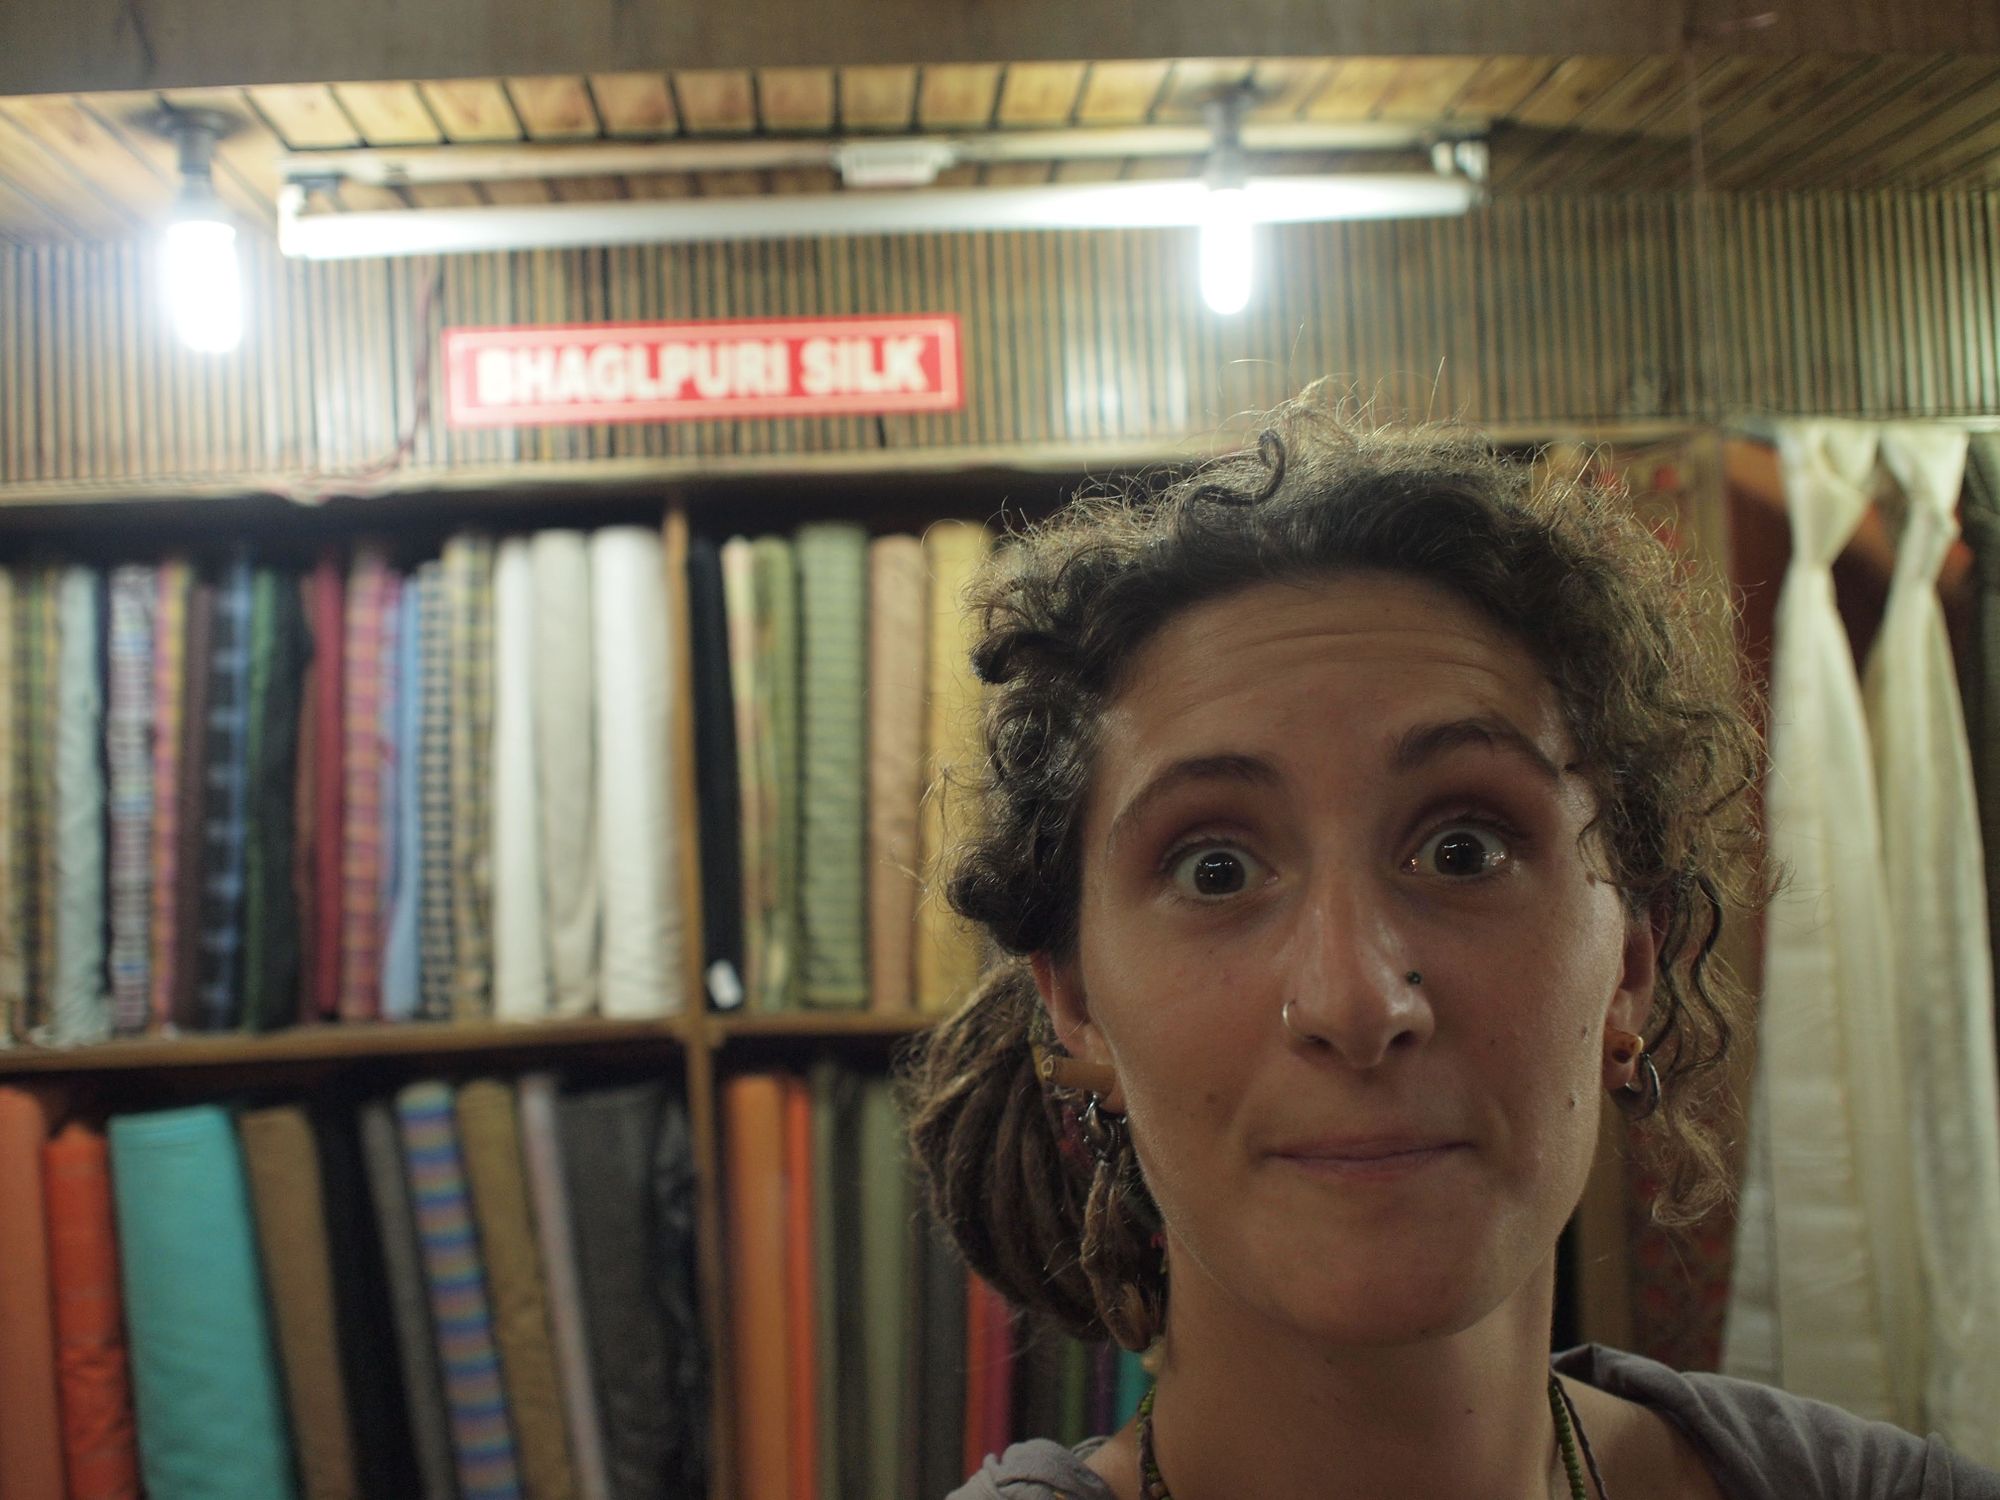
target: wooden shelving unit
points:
(698, 1048)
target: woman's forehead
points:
(1354, 653)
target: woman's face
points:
(1303, 793)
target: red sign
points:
(675, 372)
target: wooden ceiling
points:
(84, 166)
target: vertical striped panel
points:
(1544, 309)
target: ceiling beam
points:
(74, 46)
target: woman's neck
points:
(1248, 1406)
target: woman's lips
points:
(1370, 1159)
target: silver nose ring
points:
(1307, 1037)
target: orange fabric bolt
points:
(753, 1114)
(800, 1319)
(30, 1420)
(93, 1378)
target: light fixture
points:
(787, 216)
(1225, 205)
(200, 275)
(1228, 247)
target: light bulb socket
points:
(1226, 167)
(195, 133)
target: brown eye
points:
(1215, 871)
(1461, 851)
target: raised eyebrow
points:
(1426, 742)
(1248, 770)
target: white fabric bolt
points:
(638, 842)
(566, 766)
(520, 956)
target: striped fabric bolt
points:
(225, 778)
(434, 900)
(128, 714)
(468, 572)
(13, 955)
(481, 1439)
(832, 560)
(170, 606)
(365, 699)
(80, 1005)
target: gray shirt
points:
(1760, 1443)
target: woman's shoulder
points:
(1767, 1444)
(1036, 1470)
(1761, 1443)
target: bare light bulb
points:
(1228, 260)
(204, 284)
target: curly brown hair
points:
(1657, 707)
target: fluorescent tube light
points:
(1110, 205)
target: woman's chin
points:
(1389, 1294)
(1391, 1315)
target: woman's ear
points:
(1062, 997)
(1639, 970)
(1638, 974)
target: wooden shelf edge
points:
(600, 474)
(809, 1024)
(358, 1043)
(336, 1043)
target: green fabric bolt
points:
(886, 1203)
(832, 1198)
(205, 1379)
(777, 678)
(833, 754)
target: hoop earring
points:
(1103, 1132)
(1643, 1101)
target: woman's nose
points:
(1348, 987)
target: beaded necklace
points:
(1569, 1435)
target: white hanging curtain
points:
(1827, 1297)
(1943, 965)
